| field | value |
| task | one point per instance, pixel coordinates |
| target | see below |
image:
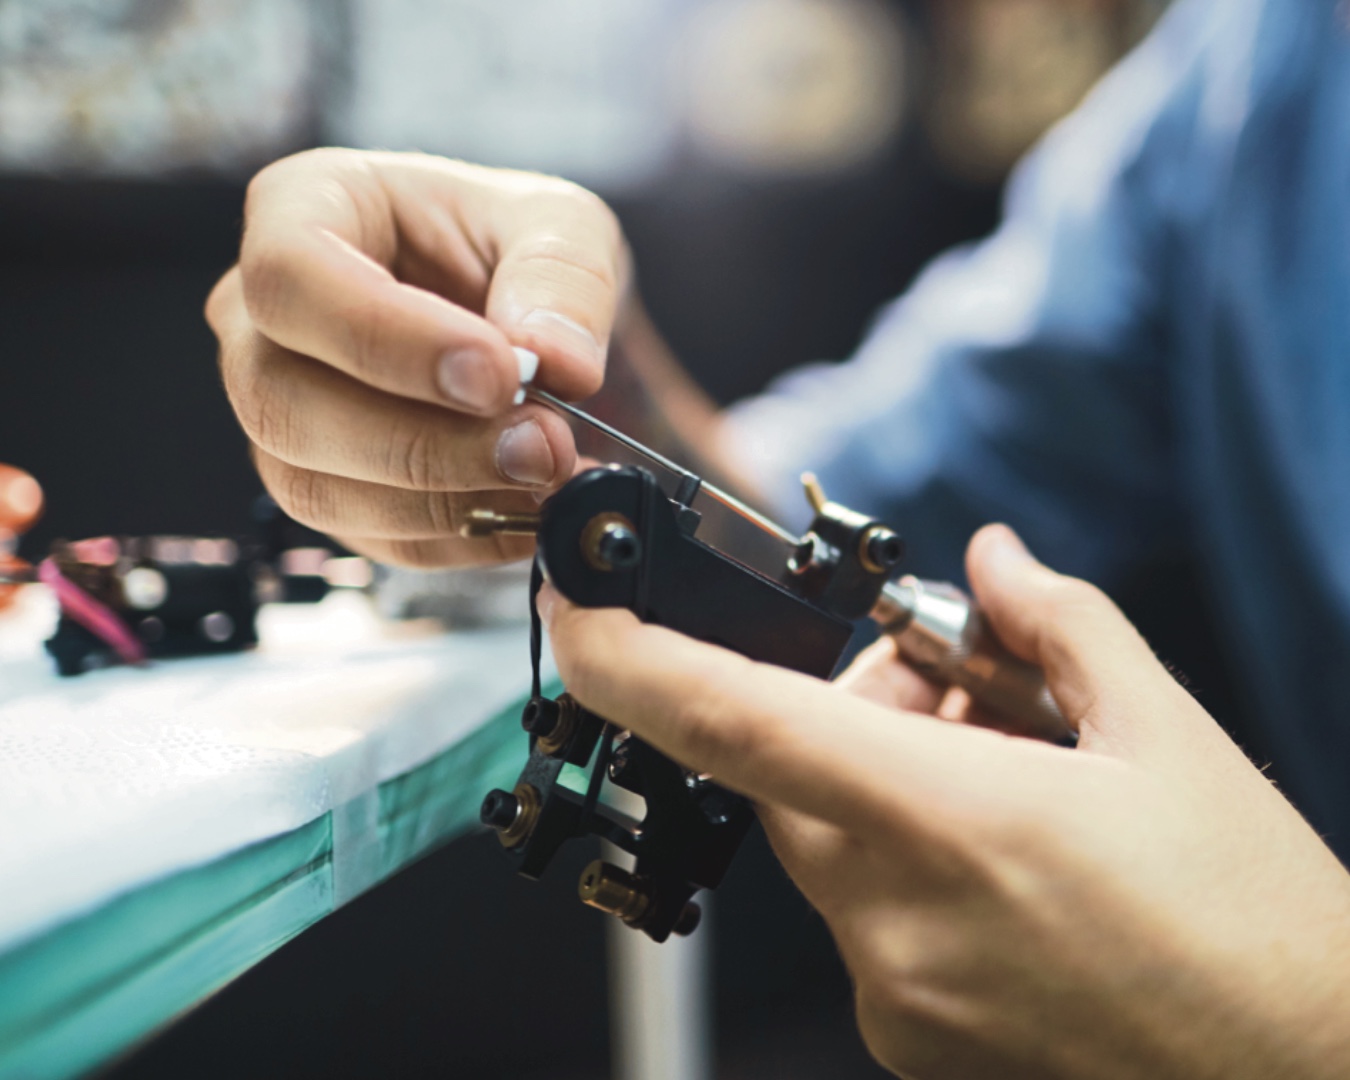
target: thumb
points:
(561, 268)
(1101, 672)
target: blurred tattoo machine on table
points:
(648, 535)
(131, 599)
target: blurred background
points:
(781, 168)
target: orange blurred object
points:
(20, 500)
(20, 506)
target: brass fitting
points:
(880, 549)
(481, 523)
(614, 891)
(610, 542)
(561, 733)
(527, 816)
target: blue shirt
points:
(1151, 352)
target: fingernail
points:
(523, 454)
(467, 379)
(568, 333)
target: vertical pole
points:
(660, 1007)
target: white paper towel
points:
(112, 779)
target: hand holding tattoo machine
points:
(656, 539)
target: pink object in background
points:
(90, 613)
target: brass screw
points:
(481, 523)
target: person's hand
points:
(21, 503)
(1147, 905)
(366, 342)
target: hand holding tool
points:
(657, 539)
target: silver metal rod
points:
(941, 633)
(697, 482)
(614, 433)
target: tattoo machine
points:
(656, 539)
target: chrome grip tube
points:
(939, 631)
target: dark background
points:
(109, 395)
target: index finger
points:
(775, 735)
(331, 269)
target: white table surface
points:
(119, 777)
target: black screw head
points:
(499, 809)
(885, 549)
(540, 716)
(619, 547)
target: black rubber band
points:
(536, 629)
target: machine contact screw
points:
(607, 888)
(610, 543)
(882, 549)
(499, 810)
(620, 547)
(540, 716)
(513, 814)
(561, 717)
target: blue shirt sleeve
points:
(1025, 378)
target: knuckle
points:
(265, 274)
(1070, 599)
(580, 218)
(442, 513)
(369, 329)
(414, 459)
(305, 496)
(591, 206)
(260, 185)
(271, 423)
(265, 412)
(280, 174)
(566, 257)
(219, 303)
